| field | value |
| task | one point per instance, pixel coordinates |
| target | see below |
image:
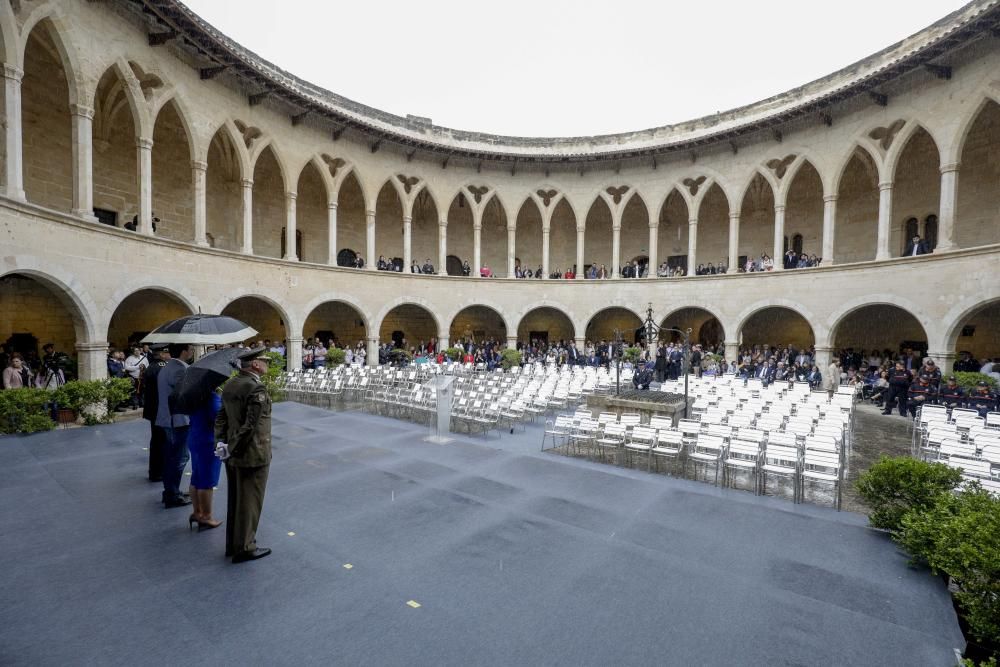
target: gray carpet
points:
(516, 558)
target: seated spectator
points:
(485, 272)
(382, 265)
(359, 262)
(766, 263)
(570, 275)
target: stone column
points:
(829, 228)
(778, 255)
(949, 205)
(331, 233)
(92, 360)
(732, 351)
(581, 234)
(511, 255)
(822, 360)
(247, 246)
(290, 227)
(616, 248)
(442, 342)
(884, 220)
(692, 246)
(945, 361)
(512, 341)
(407, 242)
(371, 355)
(654, 258)
(293, 354)
(734, 242)
(13, 133)
(144, 149)
(199, 172)
(545, 251)
(82, 121)
(371, 264)
(442, 247)
(477, 249)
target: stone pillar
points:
(290, 227)
(732, 351)
(581, 344)
(654, 258)
(884, 220)
(247, 246)
(199, 172)
(734, 242)
(82, 121)
(293, 354)
(13, 133)
(945, 361)
(442, 343)
(829, 228)
(144, 149)
(370, 262)
(371, 355)
(692, 246)
(545, 252)
(477, 249)
(581, 234)
(407, 242)
(949, 205)
(822, 360)
(778, 255)
(92, 360)
(331, 233)
(512, 341)
(442, 247)
(511, 254)
(616, 248)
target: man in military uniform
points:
(982, 398)
(899, 385)
(921, 393)
(151, 402)
(243, 430)
(951, 394)
(931, 372)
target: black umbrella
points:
(201, 330)
(203, 377)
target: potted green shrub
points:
(335, 356)
(509, 358)
(25, 410)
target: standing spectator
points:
(915, 247)
(899, 385)
(791, 260)
(135, 365)
(16, 375)
(175, 426)
(151, 402)
(427, 268)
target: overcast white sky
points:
(562, 67)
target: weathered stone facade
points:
(256, 201)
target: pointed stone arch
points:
(978, 197)
(757, 202)
(804, 209)
(672, 218)
(270, 187)
(528, 235)
(227, 169)
(173, 156)
(916, 193)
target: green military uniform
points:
(244, 423)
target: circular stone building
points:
(254, 193)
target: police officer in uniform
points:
(243, 431)
(921, 393)
(931, 372)
(150, 403)
(951, 395)
(899, 384)
(982, 398)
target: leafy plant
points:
(509, 358)
(454, 353)
(399, 357)
(94, 400)
(632, 354)
(25, 410)
(894, 486)
(275, 368)
(959, 535)
(968, 381)
(335, 356)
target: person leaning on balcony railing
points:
(427, 268)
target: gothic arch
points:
(49, 18)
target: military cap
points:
(250, 354)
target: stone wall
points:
(28, 307)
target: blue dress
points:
(205, 467)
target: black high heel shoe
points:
(192, 520)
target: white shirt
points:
(134, 365)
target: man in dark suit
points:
(150, 404)
(243, 430)
(915, 247)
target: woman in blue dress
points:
(205, 467)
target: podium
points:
(443, 392)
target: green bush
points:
(270, 379)
(968, 381)
(454, 353)
(23, 410)
(894, 486)
(632, 354)
(335, 356)
(959, 535)
(509, 358)
(81, 395)
(399, 357)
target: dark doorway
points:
(346, 257)
(454, 266)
